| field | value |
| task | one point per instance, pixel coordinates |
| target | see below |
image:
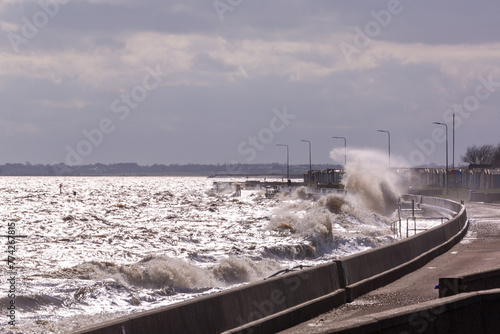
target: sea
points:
(78, 251)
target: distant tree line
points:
(488, 155)
(276, 169)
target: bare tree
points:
(482, 155)
(496, 157)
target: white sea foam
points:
(128, 244)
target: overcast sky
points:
(191, 81)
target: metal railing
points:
(415, 229)
(396, 225)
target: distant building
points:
(324, 177)
(473, 177)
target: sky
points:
(225, 81)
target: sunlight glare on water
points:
(109, 246)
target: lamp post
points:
(287, 162)
(345, 149)
(453, 154)
(446, 178)
(389, 136)
(310, 165)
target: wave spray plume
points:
(368, 180)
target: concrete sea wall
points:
(281, 302)
(450, 286)
(375, 268)
(484, 197)
(318, 287)
(474, 312)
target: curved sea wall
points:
(375, 268)
(281, 302)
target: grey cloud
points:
(204, 62)
(206, 108)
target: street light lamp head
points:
(345, 148)
(446, 175)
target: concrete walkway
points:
(478, 251)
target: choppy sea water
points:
(110, 246)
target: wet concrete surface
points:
(478, 251)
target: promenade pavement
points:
(478, 251)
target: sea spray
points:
(238, 270)
(334, 203)
(319, 226)
(302, 217)
(368, 180)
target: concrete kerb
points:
(466, 313)
(449, 286)
(484, 197)
(491, 309)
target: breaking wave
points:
(328, 226)
(237, 270)
(369, 182)
(153, 272)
